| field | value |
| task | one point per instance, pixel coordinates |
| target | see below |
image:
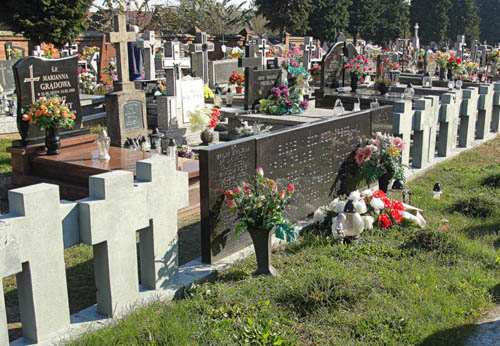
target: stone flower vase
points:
(52, 141)
(262, 242)
(207, 136)
(442, 73)
(354, 83)
(449, 75)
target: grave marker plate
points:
(192, 97)
(36, 77)
(260, 84)
(132, 116)
(220, 71)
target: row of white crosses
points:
(38, 228)
(455, 112)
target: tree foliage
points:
(364, 19)
(432, 17)
(464, 20)
(290, 16)
(489, 11)
(51, 21)
(393, 20)
(328, 17)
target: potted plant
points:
(259, 207)
(237, 79)
(50, 113)
(380, 160)
(358, 67)
(204, 120)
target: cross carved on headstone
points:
(120, 38)
(32, 80)
(109, 219)
(308, 48)
(149, 44)
(199, 51)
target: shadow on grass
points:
(453, 336)
(483, 230)
(492, 181)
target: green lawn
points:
(402, 286)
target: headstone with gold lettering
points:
(36, 77)
(126, 106)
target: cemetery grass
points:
(402, 286)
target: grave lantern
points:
(103, 143)
(409, 91)
(155, 139)
(459, 83)
(172, 149)
(451, 84)
(427, 80)
(400, 192)
(437, 192)
(229, 97)
(217, 96)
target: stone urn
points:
(262, 243)
(52, 141)
(207, 136)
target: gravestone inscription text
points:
(132, 116)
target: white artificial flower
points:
(333, 204)
(355, 196)
(377, 204)
(360, 206)
(319, 215)
(339, 208)
(368, 220)
(418, 218)
(367, 192)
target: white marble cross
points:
(402, 125)
(308, 48)
(149, 44)
(167, 192)
(263, 49)
(32, 235)
(448, 122)
(422, 124)
(173, 66)
(120, 38)
(32, 80)
(468, 112)
(485, 108)
(495, 122)
(109, 220)
(199, 51)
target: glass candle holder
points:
(103, 142)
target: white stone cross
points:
(402, 125)
(199, 51)
(120, 38)
(495, 121)
(167, 192)
(468, 112)
(448, 123)
(35, 224)
(173, 67)
(422, 124)
(485, 107)
(38, 51)
(149, 44)
(109, 219)
(262, 46)
(32, 80)
(308, 48)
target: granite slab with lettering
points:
(317, 157)
(219, 71)
(260, 83)
(7, 75)
(36, 77)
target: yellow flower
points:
(43, 109)
(392, 151)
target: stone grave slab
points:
(448, 123)
(485, 107)
(468, 116)
(36, 77)
(219, 71)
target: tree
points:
(432, 17)
(363, 20)
(51, 21)
(290, 16)
(464, 20)
(328, 17)
(393, 20)
(489, 11)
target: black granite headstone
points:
(260, 83)
(317, 157)
(36, 77)
(222, 167)
(7, 75)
